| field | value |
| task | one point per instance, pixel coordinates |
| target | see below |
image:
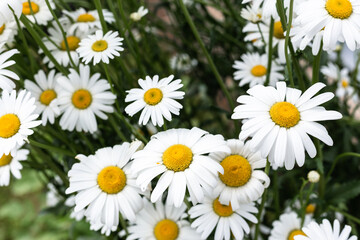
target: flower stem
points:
(101, 15)
(316, 67)
(270, 49)
(343, 155)
(288, 27)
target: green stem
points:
(355, 219)
(270, 50)
(123, 224)
(288, 27)
(276, 195)
(131, 127)
(343, 155)
(304, 204)
(116, 128)
(51, 148)
(316, 67)
(322, 183)
(262, 204)
(101, 15)
(234, 14)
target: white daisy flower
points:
(99, 47)
(180, 157)
(37, 11)
(325, 231)
(288, 226)
(104, 229)
(252, 70)
(5, 82)
(17, 117)
(82, 97)
(252, 13)
(136, 16)
(105, 185)
(11, 163)
(7, 32)
(6, 14)
(45, 91)
(59, 50)
(161, 222)
(339, 19)
(242, 181)
(86, 21)
(156, 99)
(227, 220)
(280, 120)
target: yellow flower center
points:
(81, 99)
(177, 157)
(5, 160)
(111, 180)
(153, 96)
(294, 233)
(237, 171)
(73, 43)
(222, 210)
(47, 96)
(278, 30)
(166, 230)
(310, 208)
(341, 9)
(344, 83)
(99, 46)
(86, 17)
(285, 114)
(258, 71)
(2, 28)
(9, 125)
(26, 8)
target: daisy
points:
(136, 16)
(252, 70)
(104, 229)
(156, 99)
(59, 50)
(227, 220)
(45, 91)
(180, 157)
(17, 117)
(162, 222)
(11, 163)
(288, 226)
(83, 97)
(86, 21)
(6, 14)
(242, 181)
(252, 13)
(325, 231)
(7, 32)
(99, 47)
(105, 185)
(37, 11)
(5, 82)
(280, 120)
(337, 18)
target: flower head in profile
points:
(37, 11)
(136, 16)
(82, 98)
(280, 120)
(180, 157)
(45, 90)
(7, 32)
(6, 76)
(99, 47)
(10, 163)
(156, 99)
(17, 118)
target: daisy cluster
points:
(180, 182)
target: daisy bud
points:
(313, 176)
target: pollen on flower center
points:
(258, 71)
(341, 9)
(344, 83)
(177, 158)
(310, 208)
(278, 30)
(166, 230)
(26, 8)
(285, 114)
(99, 46)
(9, 125)
(237, 171)
(153, 96)
(73, 43)
(5, 160)
(47, 96)
(81, 99)
(86, 17)
(111, 180)
(294, 233)
(222, 210)
(2, 28)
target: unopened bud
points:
(313, 176)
